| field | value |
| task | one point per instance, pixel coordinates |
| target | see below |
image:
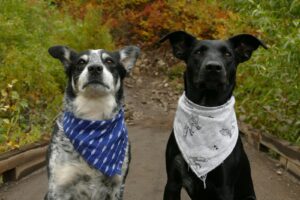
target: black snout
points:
(95, 69)
(213, 66)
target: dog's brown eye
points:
(201, 50)
(109, 61)
(227, 54)
(81, 61)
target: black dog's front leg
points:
(174, 183)
(172, 191)
(244, 189)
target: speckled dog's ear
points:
(63, 53)
(128, 56)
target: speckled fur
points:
(70, 177)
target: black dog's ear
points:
(181, 42)
(244, 45)
(63, 53)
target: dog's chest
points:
(72, 175)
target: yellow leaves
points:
(10, 107)
(4, 108)
(4, 93)
(9, 85)
(12, 145)
(233, 16)
(221, 31)
(14, 81)
(9, 97)
(6, 121)
(145, 34)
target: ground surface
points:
(150, 110)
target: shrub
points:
(31, 82)
(144, 21)
(269, 85)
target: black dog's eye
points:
(81, 61)
(225, 51)
(109, 61)
(201, 50)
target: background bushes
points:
(31, 82)
(269, 85)
(145, 21)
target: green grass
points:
(268, 93)
(32, 82)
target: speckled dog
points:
(94, 92)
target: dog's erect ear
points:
(63, 53)
(244, 45)
(128, 56)
(181, 42)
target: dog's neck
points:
(206, 97)
(100, 108)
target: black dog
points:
(209, 80)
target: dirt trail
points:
(149, 122)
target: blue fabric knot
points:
(102, 144)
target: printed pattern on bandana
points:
(102, 144)
(205, 135)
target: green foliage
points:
(176, 72)
(269, 84)
(32, 82)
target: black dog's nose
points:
(95, 69)
(213, 66)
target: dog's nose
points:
(213, 66)
(95, 69)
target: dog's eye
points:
(227, 54)
(81, 61)
(109, 61)
(201, 50)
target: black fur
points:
(209, 80)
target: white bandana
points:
(205, 135)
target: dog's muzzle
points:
(95, 76)
(213, 74)
(214, 67)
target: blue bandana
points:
(102, 144)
